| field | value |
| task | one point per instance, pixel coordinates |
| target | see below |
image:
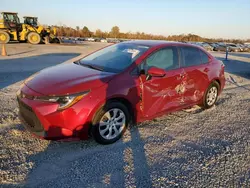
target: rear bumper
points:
(222, 83)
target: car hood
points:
(67, 79)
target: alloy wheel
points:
(212, 95)
(112, 123)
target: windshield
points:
(114, 58)
(11, 18)
(31, 21)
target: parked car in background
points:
(247, 47)
(240, 47)
(97, 39)
(231, 48)
(113, 41)
(103, 93)
(206, 46)
(103, 40)
(81, 39)
(220, 47)
(234, 48)
(243, 48)
(213, 45)
(91, 39)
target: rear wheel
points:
(34, 38)
(110, 123)
(4, 37)
(211, 95)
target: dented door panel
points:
(162, 94)
(196, 83)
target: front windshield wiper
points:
(90, 66)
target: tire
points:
(209, 101)
(34, 38)
(98, 129)
(55, 40)
(4, 37)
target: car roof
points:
(155, 43)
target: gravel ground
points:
(190, 148)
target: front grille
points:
(29, 117)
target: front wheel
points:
(4, 37)
(110, 123)
(211, 95)
(34, 38)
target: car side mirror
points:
(156, 72)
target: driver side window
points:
(166, 58)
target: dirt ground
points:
(190, 148)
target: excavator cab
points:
(10, 20)
(33, 21)
(10, 27)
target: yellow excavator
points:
(45, 32)
(12, 30)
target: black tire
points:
(34, 38)
(206, 104)
(4, 37)
(95, 130)
(55, 41)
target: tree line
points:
(115, 33)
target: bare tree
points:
(98, 33)
(115, 31)
(85, 32)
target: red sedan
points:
(129, 82)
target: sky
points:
(207, 18)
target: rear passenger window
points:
(191, 56)
(204, 57)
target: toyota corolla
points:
(130, 82)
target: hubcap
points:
(34, 38)
(112, 123)
(212, 95)
(3, 37)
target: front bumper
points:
(43, 119)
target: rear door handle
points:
(206, 69)
(182, 76)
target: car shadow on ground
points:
(236, 67)
(15, 70)
(88, 164)
(127, 163)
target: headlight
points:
(63, 101)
